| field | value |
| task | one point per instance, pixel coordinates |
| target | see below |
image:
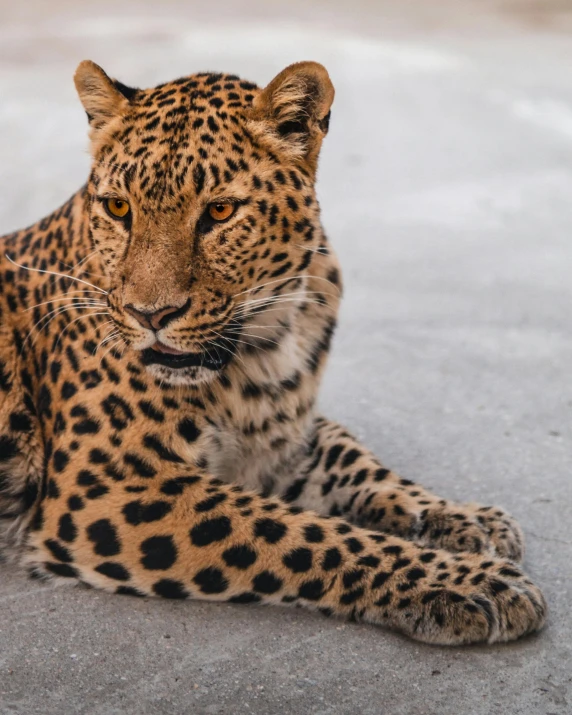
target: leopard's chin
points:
(194, 375)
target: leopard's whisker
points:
(113, 345)
(111, 337)
(80, 263)
(218, 335)
(266, 327)
(286, 278)
(75, 320)
(292, 293)
(259, 337)
(54, 273)
(60, 310)
(244, 342)
(102, 325)
(249, 308)
(66, 297)
(75, 266)
(322, 250)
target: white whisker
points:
(322, 250)
(277, 298)
(55, 273)
(260, 308)
(75, 320)
(80, 263)
(266, 327)
(286, 278)
(60, 310)
(68, 297)
(114, 344)
(227, 350)
(102, 325)
(259, 337)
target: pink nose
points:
(157, 319)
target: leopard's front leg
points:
(184, 535)
(340, 477)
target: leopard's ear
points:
(102, 97)
(293, 111)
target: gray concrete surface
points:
(446, 187)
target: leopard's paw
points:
(478, 601)
(474, 528)
(503, 530)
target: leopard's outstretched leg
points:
(340, 477)
(186, 535)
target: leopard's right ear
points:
(102, 97)
(292, 113)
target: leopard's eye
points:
(222, 211)
(117, 208)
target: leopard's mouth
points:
(176, 362)
(215, 356)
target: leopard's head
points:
(202, 206)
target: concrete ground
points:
(446, 187)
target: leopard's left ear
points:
(293, 112)
(102, 97)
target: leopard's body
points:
(159, 372)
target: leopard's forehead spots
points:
(179, 137)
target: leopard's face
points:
(202, 207)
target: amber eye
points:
(117, 208)
(222, 211)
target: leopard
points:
(163, 335)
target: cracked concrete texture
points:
(445, 185)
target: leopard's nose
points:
(157, 319)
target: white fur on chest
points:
(260, 445)
(264, 462)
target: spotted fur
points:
(158, 379)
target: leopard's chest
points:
(257, 423)
(262, 458)
(257, 438)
